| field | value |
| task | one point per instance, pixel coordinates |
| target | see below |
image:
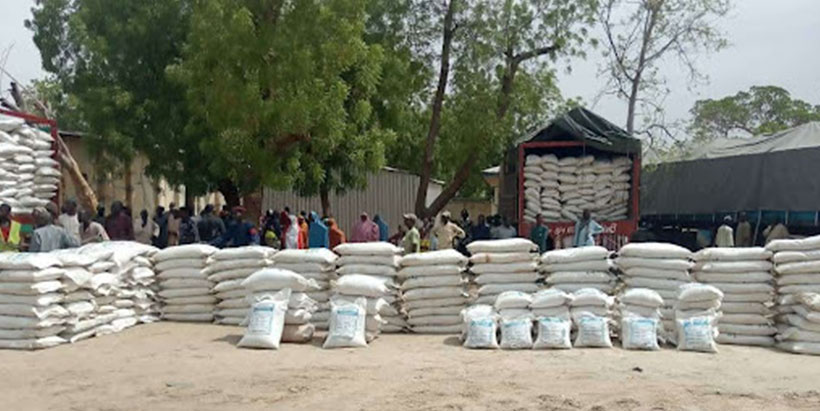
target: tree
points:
(492, 82)
(283, 92)
(640, 34)
(760, 110)
(110, 59)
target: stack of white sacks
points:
(799, 331)
(560, 189)
(515, 319)
(572, 269)
(591, 314)
(317, 264)
(28, 175)
(227, 268)
(266, 282)
(550, 309)
(660, 267)
(119, 291)
(697, 312)
(639, 309)
(744, 276)
(380, 265)
(185, 289)
(31, 314)
(433, 291)
(503, 265)
(797, 269)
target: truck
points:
(577, 133)
(768, 178)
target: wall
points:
(146, 193)
(389, 193)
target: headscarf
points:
(292, 233)
(284, 221)
(384, 229)
(302, 240)
(365, 231)
(335, 235)
(318, 233)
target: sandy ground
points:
(170, 366)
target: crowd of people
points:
(71, 227)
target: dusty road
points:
(172, 366)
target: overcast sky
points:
(772, 43)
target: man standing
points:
(173, 225)
(48, 237)
(238, 232)
(145, 228)
(93, 232)
(539, 234)
(10, 238)
(188, 231)
(480, 230)
(161, 220)
(725, 237)
(743, 235)
(365, 230)
(69, 220)
(317, 232)
(210, 226)
(506, 230)
(447, 233)
(585, 230)
(411, 242)
(118, 225)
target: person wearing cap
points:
(10, 238)
(447, 233)
(725, 235)
(365, 230)
(49, 237)
(411, 242)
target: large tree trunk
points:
(230, 192)
(85, 194)
(324, 196)
(435, 118)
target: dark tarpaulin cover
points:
(583, 125)
(773, 172)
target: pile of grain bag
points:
(356, 308)
(381, 265)
(744, 276)
(503, 265)
(479, 326)
(550, 309)
(639, 309)
(799, 331)
(660, 267)
(697, 312)
(515, 319)
(185, 289)
(560, 189)
(797, 270)
(28, 175)
(318, 264)
(591, 314)
(31, 314)
(572, 269)
(433, 291)
(264, 285)
(227, 268)
(121, 288)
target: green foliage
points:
(480, 115)
(760, 110)
(284, 89)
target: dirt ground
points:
(173, 366)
